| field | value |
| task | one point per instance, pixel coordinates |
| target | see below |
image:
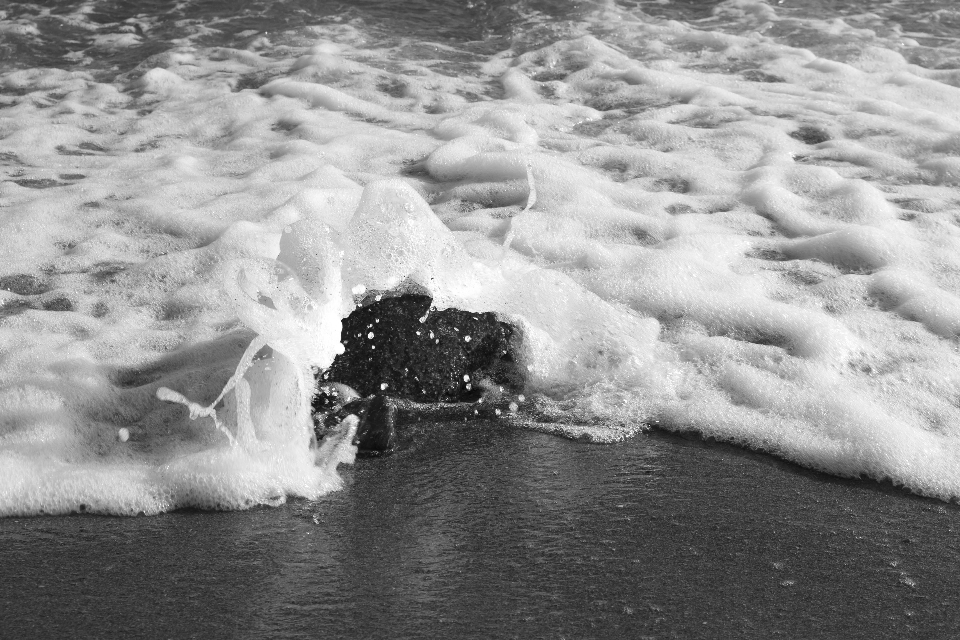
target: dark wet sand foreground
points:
(477, 531)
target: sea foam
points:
(704, 229)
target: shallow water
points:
(738, 219)
(484, 531)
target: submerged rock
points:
(377, 432)
(377, 429)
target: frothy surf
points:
(743, 225)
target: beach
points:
(487, 531)
(717, 244)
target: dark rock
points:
(412, 363)
(401, 347)
(377, 431)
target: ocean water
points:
(739, 219)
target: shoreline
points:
(886, 486)
(491, 531)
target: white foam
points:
(704, 230)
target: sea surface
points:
(729, 234)
(737, 220)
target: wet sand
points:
(487, 531)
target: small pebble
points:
(123, 434)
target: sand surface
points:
(486, 531)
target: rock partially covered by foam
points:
(401, 347)
(377, 430)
